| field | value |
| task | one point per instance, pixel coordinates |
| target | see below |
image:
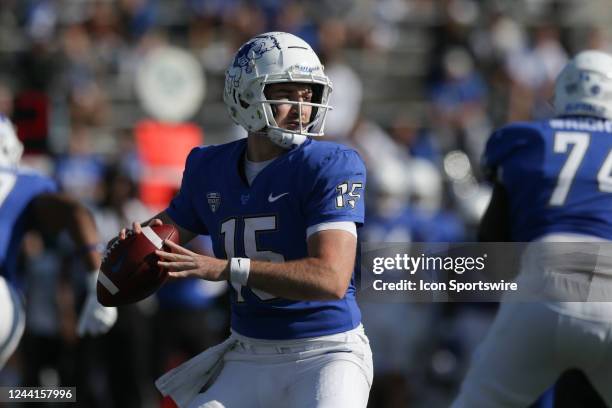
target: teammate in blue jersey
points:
(29, 200)
(553, 185)
(282, 210)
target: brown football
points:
(129, 270)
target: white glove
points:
(95, 319)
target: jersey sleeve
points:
(47, 185)
(28, 186)
(504, 142)
(336, 189)
(182, 208)
(36, 184)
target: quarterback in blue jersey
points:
(553, 184)
(282, 210)
(29, 200)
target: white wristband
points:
(239, 270)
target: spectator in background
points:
(418, 140)
(293, 18)
(348, 87)
(80, 172)
(458, 101)
(127, 349)
(532, 72)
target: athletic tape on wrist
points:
(239, 270)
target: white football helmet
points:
(584, 86)
(11, 148)
(271, 58)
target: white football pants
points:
(324, 372)
(526, 350)
(531, 344)
(12, 320)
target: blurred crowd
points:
(418, 87)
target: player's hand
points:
(125, 232)
(137, 228)
(95, 319)
(183, 263)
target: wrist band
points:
(239, 270)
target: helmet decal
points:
(250, 51)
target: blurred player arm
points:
(494, 226)
(56, 212)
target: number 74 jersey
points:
(558, 176)
(314, 183)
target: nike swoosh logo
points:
(272, 198)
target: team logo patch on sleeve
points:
(214, 200)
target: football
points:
(129, 270)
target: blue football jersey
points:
(17, 189)
(313, 183)
(558, 175)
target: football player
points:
(282, 210)
(553, 184)
(30, 200)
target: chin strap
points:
(285, 139)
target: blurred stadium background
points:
(109, 96)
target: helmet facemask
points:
(313, 127)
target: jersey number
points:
(343, 189)
(252, 226)
(580, 142)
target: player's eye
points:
(306, 96)
(281, 96)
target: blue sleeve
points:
(48, 185)
(182, 208)
(336, 189)
(503, 143)
(39, 184)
